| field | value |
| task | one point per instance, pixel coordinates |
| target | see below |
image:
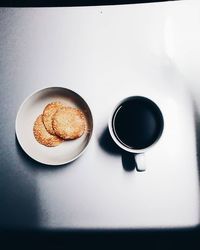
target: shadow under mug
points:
(138, 121)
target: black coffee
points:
(137, 122)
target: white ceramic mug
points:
(138, 153)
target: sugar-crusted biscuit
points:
(42, 135)
(48, 113)
(69, 123)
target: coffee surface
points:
(137, 123)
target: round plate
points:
(32, 107)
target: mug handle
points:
(140, 162)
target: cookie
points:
(48, 113)
(42, 135)
(69, 123)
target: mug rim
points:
(110, 127)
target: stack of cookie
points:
(58, 123)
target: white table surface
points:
(105, 54)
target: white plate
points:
(34, 106)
